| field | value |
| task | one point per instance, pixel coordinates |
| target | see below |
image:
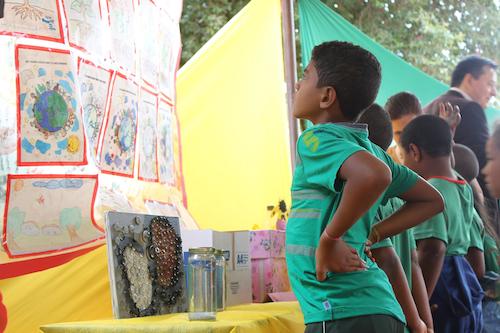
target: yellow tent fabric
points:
(78, 290)
(233, 117)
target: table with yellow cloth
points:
(254, 318)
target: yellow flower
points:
(73, 143)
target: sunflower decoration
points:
(73, 144)
(52, 110)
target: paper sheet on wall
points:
(169, 46)
(149, 48)
(119, 139)
(165, 147)
(32, 18)
(85, 25)
(49, 116)
(122, 30)
(49, 213)
(94, 82)
(148, 141)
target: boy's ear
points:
(415, 152)
(328, 97)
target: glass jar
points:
(201, 284)
(220, 280)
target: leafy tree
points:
(433, 35)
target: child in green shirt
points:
(338, 184)
(444, 240)
(396, 255)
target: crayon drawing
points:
(148, 161)
(49, 213)
(32, 18)
(94, 86)
(118, 147)
(50, 130)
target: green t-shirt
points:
(453, 225)
(403, 243)
(316, 193)
(491, 254)
(477, 232)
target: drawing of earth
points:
(51, 111)
(126, 131)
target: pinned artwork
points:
(170, 47)
(85, 25)
(149, 47)
(94, 87)
(145, 264)
(50, 130)
(177, 153)
(165, 147)
(148, 153)
(118, 147)
(39, 19)
(49, 213)
(122, 26)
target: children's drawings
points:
(118, 148)
(94, 86)
(122, 26)
(148, 154)
(50, 130)
(32, 18)
(85, 27)
(170, 43)
(165, 148)
(148, 45)
(49, 213)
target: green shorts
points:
(364, 324)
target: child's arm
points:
(419, 292)
(389, 262)
(422, 202)
(475, 257)
(366, 178)
(431, 253)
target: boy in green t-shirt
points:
(396, 255)
(443, 241)
(338, 184)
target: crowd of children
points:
(386, 238)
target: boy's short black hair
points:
(430, 134)
(473, 65)
(402, 104)
(352, 71)
(466, 163)
(379, 125)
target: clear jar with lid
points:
(220, 280)
(202, 303)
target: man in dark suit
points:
(473, 84)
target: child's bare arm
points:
(475, 257)
(419, 291)
(431, 253)
(388, 261)
(422, 202)
(366, 178)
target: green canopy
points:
(319, 23)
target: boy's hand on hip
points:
(334, 255)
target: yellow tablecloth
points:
(251, 318)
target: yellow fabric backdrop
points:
(233, 116)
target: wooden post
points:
(288, 28)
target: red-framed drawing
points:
(49, 119)
(148, 136)
(95, 86)
(40, 19)
(47, 214)
(117, 152)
